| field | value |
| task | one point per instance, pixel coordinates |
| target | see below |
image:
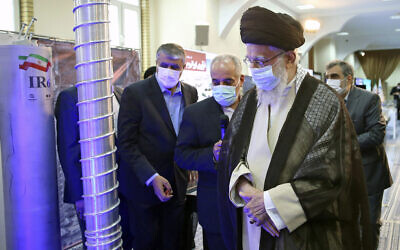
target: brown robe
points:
(318, 154)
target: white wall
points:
(175, 21)
(55, 18)
(324, 52)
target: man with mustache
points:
(289, 171)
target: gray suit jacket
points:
(366, 113)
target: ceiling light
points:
(397, 30)
(397, 16)
(386, 0)
(312, 25)
(305, 7)
(342, 33)
(362, 53)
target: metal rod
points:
(29, 27)
(94, 64)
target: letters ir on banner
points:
(35, 68)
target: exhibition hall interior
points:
(116, 132)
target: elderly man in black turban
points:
(289, 171)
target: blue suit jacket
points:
(199, 131)
(69, 152)
(366, 113)
(147, 141)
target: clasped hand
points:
(162, 188)
(255, 207)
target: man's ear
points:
(241, 80)
(291, 56)
(350, 79)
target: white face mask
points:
(224, 95)
(264, 78)
(168, 77)
(335, 84)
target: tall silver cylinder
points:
(27, 138)
(96, 127)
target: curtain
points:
(379, 64)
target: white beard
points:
(267, 97)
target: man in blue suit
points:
(199, 141)
(148, 123)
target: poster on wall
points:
(197, 72)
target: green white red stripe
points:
(35, 61)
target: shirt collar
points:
(165, 90)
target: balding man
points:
(200, 133)
(289, 173)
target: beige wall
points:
(55, 18)
(175, 21)
(324, 52)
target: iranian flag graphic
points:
(34, 61)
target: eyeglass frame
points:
(260, 63)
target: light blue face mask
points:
(264, 78)
(224, 95)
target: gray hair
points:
(172, 50)
(347, 69)
(227, 59)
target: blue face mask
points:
(264, 78)
(224, 95)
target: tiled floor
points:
(390, 230)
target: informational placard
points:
(197, 72)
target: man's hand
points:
(80, 209)
(193, 176)
(162, 188)
(217, 149)
(255, 207)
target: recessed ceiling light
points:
(397, 30)
(386, 0)
(342, 33)
(305, 7)
(397, 16)
(312, 25)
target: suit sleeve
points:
(129, 120)
(375, 125)
(68, 145)
(188, 153)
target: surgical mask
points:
(264, 78)
(224, 95)
(335, 84)
(168, 77)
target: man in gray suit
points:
(365, 111)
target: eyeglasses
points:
(260, 61)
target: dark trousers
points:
(127, 237)
(190, 222)
(156, 227)
(82, 225)
(212, 241)
(375, 205)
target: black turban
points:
(262, 26)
